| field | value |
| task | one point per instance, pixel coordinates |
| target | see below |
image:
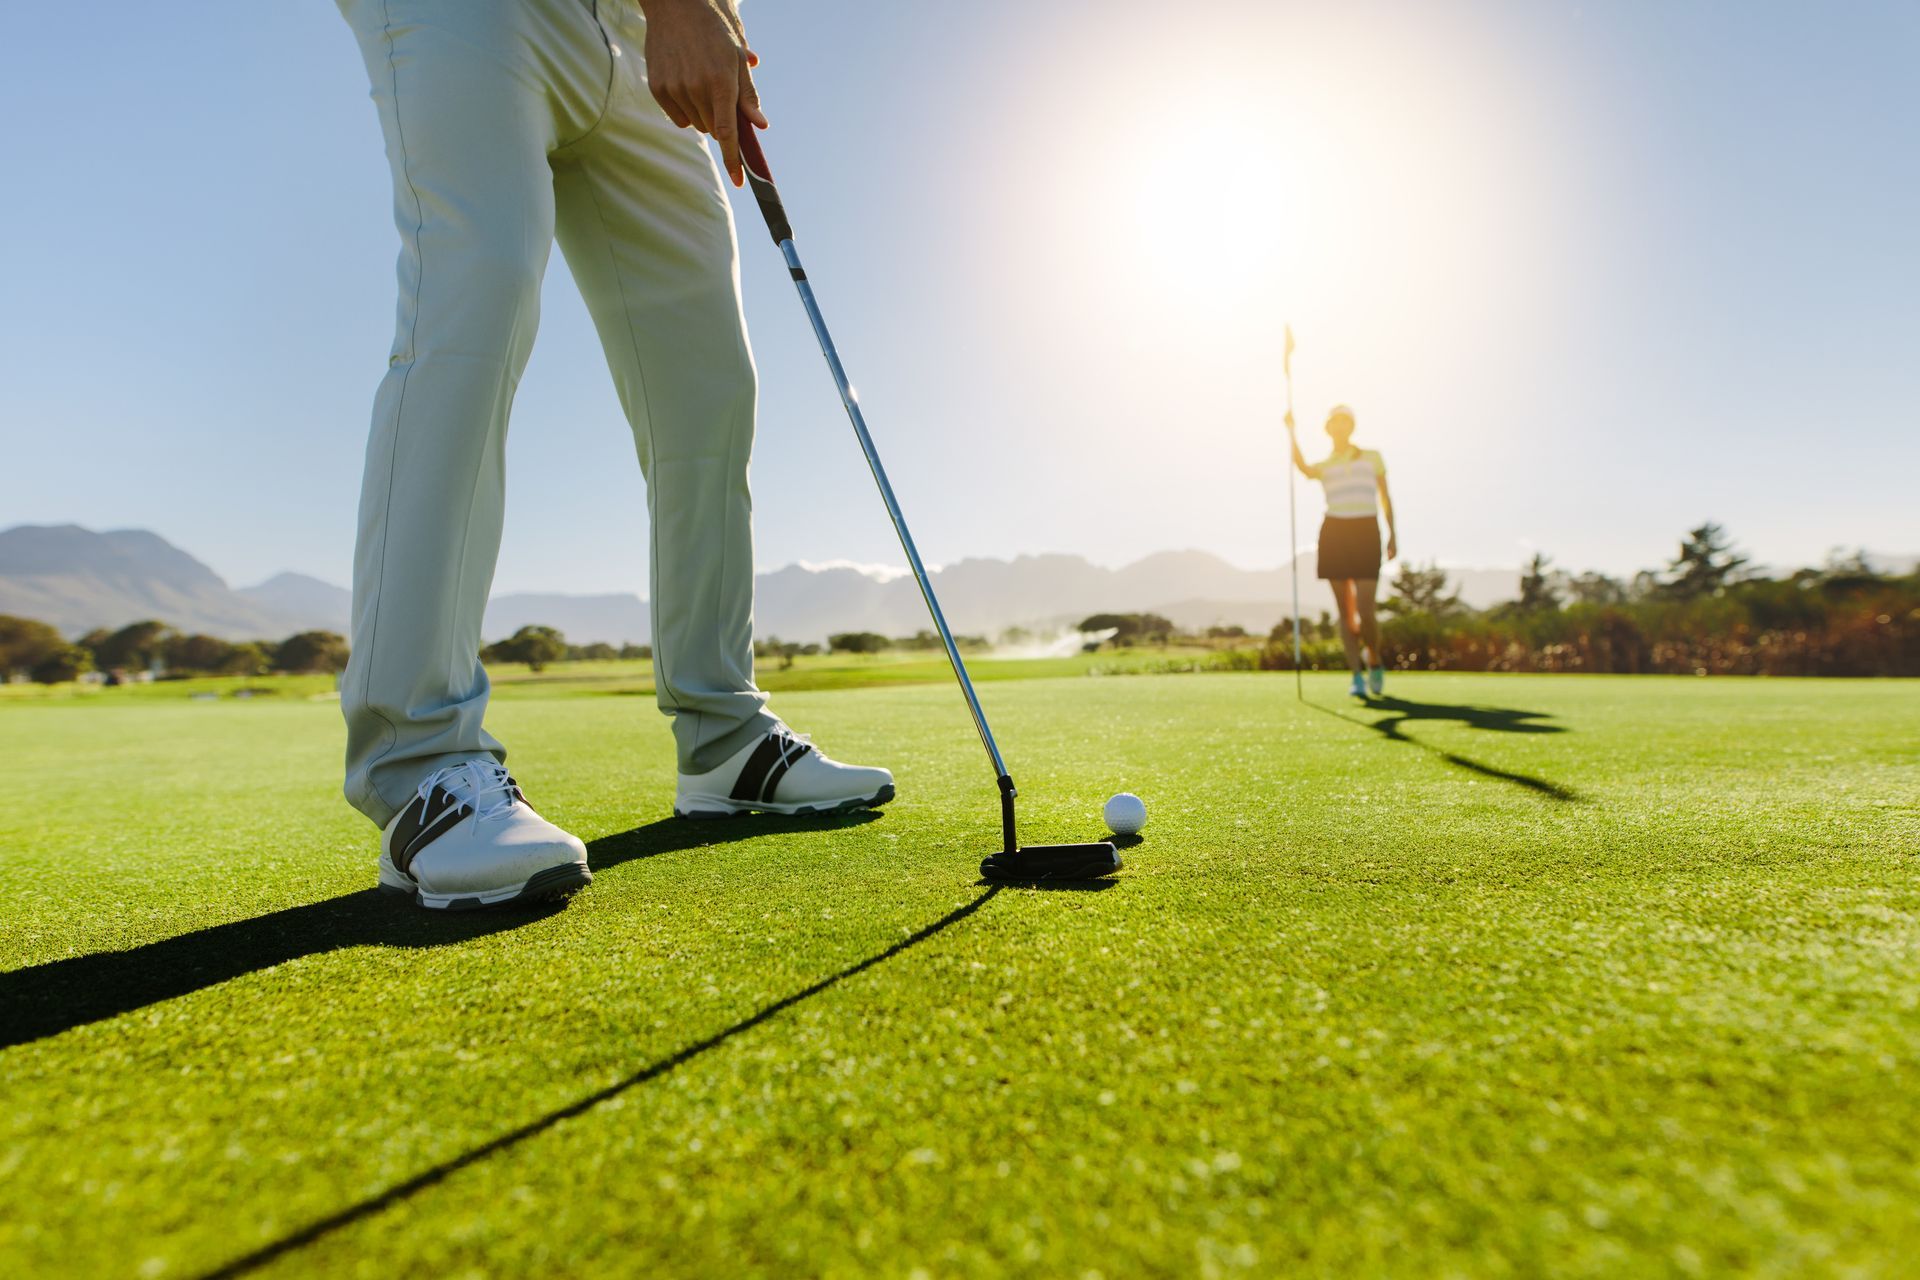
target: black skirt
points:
(1349, 547)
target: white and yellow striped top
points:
(1352, 482)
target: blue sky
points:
(1589, 274)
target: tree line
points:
(42, 654)
(1706, 613)
(874, 642)
(540, 646)
(152, 649)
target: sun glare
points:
(1389, 186)
(1364, 184)
(1210, 214)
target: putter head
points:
(1036, 862)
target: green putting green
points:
(1506, 975)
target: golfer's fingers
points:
(671, 105)
(750, 96)
(698, 101)
(727, 133)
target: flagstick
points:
(1293, 525)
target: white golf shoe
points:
(1359, 686)
(469, 839)
(781, 773)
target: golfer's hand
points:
(700, 70)
(1289, 422)
(1393, 546)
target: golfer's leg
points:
(649, 236)
(467, 144)
(1364, 591)
(1343, 606)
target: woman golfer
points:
(1349, 556)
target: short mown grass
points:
(1505, 976)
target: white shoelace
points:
(482, 784)
(804, 739)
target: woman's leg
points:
(1368, 624)
(1343, 609)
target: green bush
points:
(68, 662)
(536, 646)
(312, 651)
(25, 644)
(857, 642)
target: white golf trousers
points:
(509, 123)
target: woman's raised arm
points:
(1299, 459)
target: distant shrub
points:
(857, 642)
(68, 662)
(137, 646)
(534, 645)
(25, 644)
(1130, 629)
(318, 651)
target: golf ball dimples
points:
(1126, 813)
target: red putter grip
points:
(750, 146)
(760, 178)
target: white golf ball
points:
(1126, 813)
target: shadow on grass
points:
(1049, 886)
(1499, 719)
(440, 1172)
(46, 999)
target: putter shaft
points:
(1050, 861)
(851, 401)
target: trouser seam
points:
(508, 385)
(399, 415)
(661, 685)
(726, 536)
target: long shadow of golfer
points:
(440, 1172)
(1498, 719)
(46, 999)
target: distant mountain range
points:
(77, 579)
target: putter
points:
(1035, 862)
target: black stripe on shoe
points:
(748, 786)
(788, 758)
(425, 820)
